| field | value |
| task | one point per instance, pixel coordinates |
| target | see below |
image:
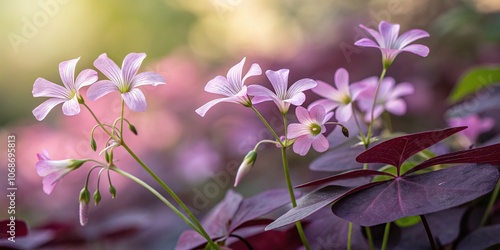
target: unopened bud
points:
(84, 195)
(93, 144)
(345, 131)
(132, 128)
(112, 190)
(97, 197)
(245, 166)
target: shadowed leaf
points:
(345, 176)
(481, 239)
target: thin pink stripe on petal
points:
(45, 88)
(135, 100)
(131, 65)
(85, 78)
(43, 109)
(234, 75)
(100, 89)
(71, 107)
(302, 145)
(320, 143)
(147, 78)
(67, 72)
(279, 80)
(109, 68)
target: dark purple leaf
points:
(489, 155)
(397, 150)
(482, 238)
(288, 239)
(313, 202)
(324, 230)
(217, 220)
(417, 194)
(345, 176)
(190, 239)
(338, 160)
(260, 205)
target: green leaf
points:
(475, 80)
(408, 221)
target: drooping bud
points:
(112, 190)
(84, 195)
(132, 128)
(84, 206)
(345, 131)
(97, 197)
(245, 166)
(93, 144)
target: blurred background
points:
(189, 43)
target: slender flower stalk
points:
(372, 111)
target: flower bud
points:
(84, 195)
(97, 197)
(112, 190)
(132, 128)
(84, 213)
(245, 166)
(93, 144)
(345, 131)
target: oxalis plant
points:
(387, 190)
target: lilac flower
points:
(284, 96)
(124, 80)
(387, 40)
(476, 126)
(388, 98)
(310, 129)
(341, 97)
(245, 166)
(53, 171)
(231, 86)
(68, 95)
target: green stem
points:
(121, 120)
(99, 122)
(368, 232)
(370, 126)
(363, 138)
(172, 194)
(158, 195)
(386, 235)
(429, 233)
(298, 225)
(493, 198)
(267, 125)
(349, 236)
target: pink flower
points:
(390, 44)
(341, 97)
(284, 96)
(476, 126)
(388, 98)
(124, 80)
(310, 129)
(53, 171)
(68, 95)
(233, 87)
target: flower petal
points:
(302, 145)
(418, 49)
(50, 181)
(344, 113)
(109, 68)
(397, 107)
(374, 33)
(317, 113)
(366, 42)
(329, 105)
(342, 81)
(135, 100)
(220, 85)
(207, 106)
(260, 93)
(43, 109)
(320, 143)
(279, 80)
(297, 99)
(303, 115)
(297, 129)
(67, 72)
(44, 88)
(410, 36)
(131, 65)
(254, 70)
(300, 86)
(389, 33)
(100, 89)
(234, 76)
(402, 89)
(71, 107)
(147, 78)
(324, 89)
(85, 78)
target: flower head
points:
(341, 97)
(233, 86)
(68, 95)
(283, 96)
(124, 80)
(84, 206)
(245, 166)
(53, 171)
(310, 129)
(387, 40)
(476, 126)
(388, 97)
